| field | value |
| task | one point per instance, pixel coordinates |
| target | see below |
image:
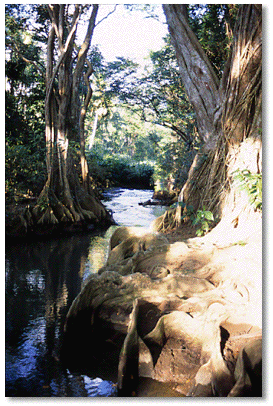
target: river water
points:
(42, 279)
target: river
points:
(42, 279)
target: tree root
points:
(48, 217)
(170, 220)
(54, 213)
(62, 213)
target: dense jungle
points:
(134, 204)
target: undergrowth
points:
(202, 218)
(119, 170)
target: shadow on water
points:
(42, 280)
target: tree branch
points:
(81, 58)
(86, 43)
(52, 14)
(110, 12)
(63, 50)
(60, 23)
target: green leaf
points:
(260, 183)
(209, 215)
(205, 226)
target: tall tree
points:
(228, 110)
(64, 199)
(64, 114)
(157, 93)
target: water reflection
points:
(98, 387)
(42, 279)
(97, 253)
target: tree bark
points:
(200, 80)
(84, 166)
(228, 113)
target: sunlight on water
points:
(98, 387)
(126, 209)
(22, 363)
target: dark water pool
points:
(42, 279)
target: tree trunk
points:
(84, 166)
(228, 113)
(63, 199)
(200, 80)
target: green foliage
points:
(173, 162)
(120, 170)
(152, 118)
(157, 95)
(205, 219)
(25, 150)
(252, 184)
(122, 132)
(213, 24)
(24, 113)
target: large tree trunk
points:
(64, 199)
(228, 113)
(200, 80)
